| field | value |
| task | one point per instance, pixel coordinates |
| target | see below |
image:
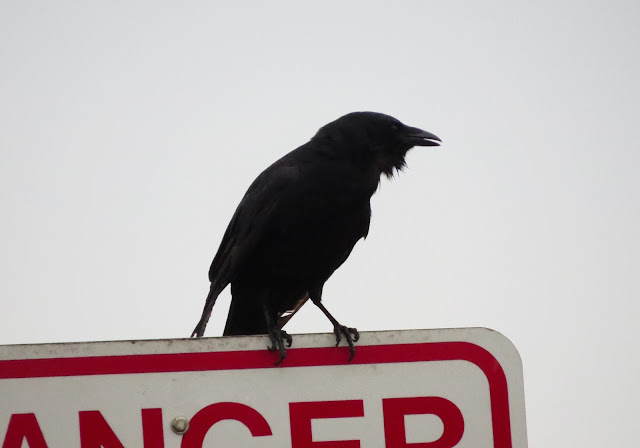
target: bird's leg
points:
(280, 339)
(350, 334)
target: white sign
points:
(403, 389)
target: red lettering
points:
(24, 426)
(152, 432)
(395, 409)
(301, 414)
(212, 414)
(95, 432)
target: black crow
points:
(299, 221)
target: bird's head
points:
(378, 137)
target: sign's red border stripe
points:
(261, 359)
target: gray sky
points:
(129, 131)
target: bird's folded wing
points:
(252, 219)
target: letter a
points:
(24, 426)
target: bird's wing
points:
(251, 219)
(246, 229)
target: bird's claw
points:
(280, 341)
(287, 337)
(350, 334)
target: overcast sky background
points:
(129, 131)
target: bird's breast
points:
(316, 237)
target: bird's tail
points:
(285, 317)
(214, 292)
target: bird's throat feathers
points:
(390, 164)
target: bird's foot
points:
(350, 334)
(280, 341)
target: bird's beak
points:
(418, 137)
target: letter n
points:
(95, 432)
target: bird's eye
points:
(395, 127)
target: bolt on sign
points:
(403, 389)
